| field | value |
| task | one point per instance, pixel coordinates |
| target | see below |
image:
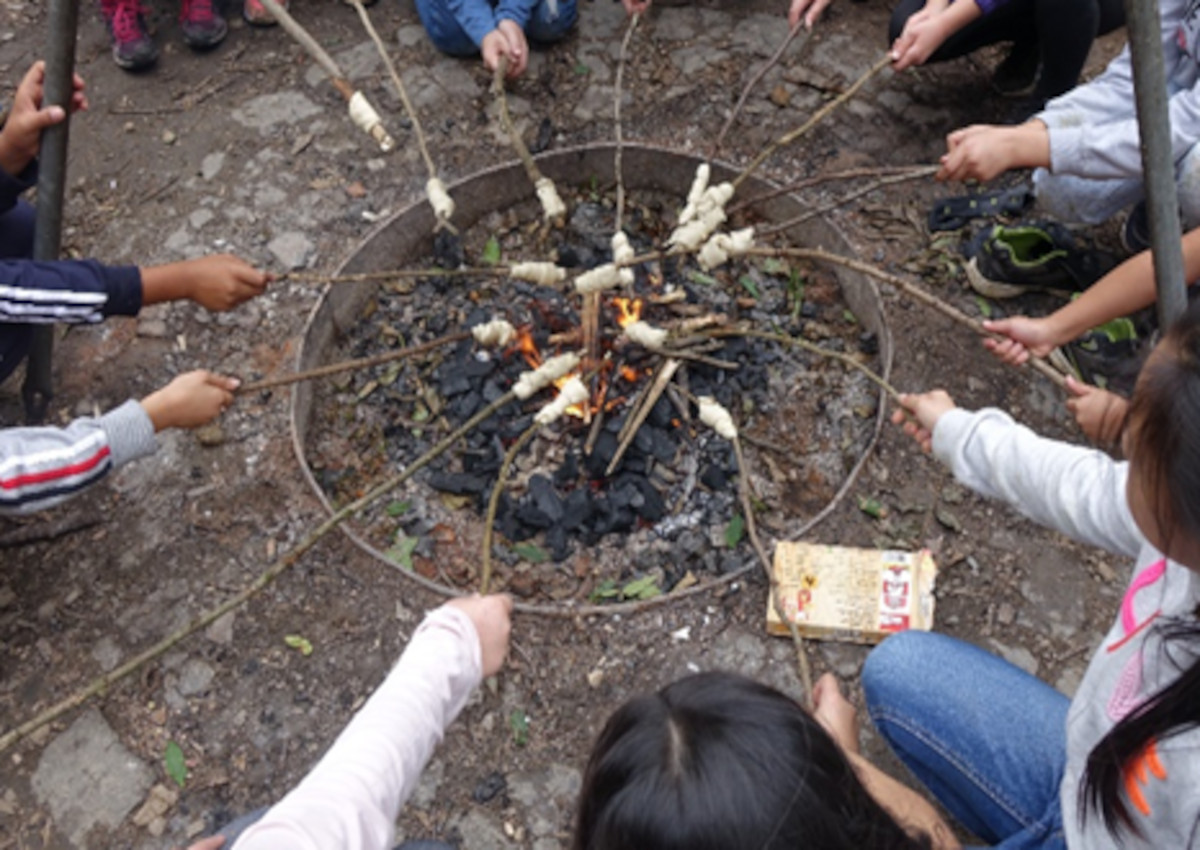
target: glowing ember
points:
(630, 374)
(629, 310)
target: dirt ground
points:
(247, 149)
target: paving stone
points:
(356, 63)
(195, 677)
(87, 778)
(269, 110)
(548, 797)
(212, 164)
(478, 829)
(411, 35)
(693, 59)
(292, 250)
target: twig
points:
(399, 84)
(38, 532)
(102, 683)
(634, 423)
(489, 522)
(620, 139)
(848, 174)
(802, 665)
(927, 298)
(535, 174)
(916, 174)
(695, 357)
(762, 72)
(817, 118)
(352, 365)
(396, 274)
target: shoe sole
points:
(1000, 291)
(134, 64)
(207, 43)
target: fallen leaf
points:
(301, 643)
(175, 764)
(491, 251)
(402, 551)
(871, 507)
(643, 588)
(735, 530)
(518, 721)
(532, 553)
(395, 509)
(356, 190)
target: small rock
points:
(781, 95)
(129, 127)
(168, 137)
(221, 630)
(195, 677)
(1006, 614)
(595, 678)
(356, 190)
(210, 435)
(211, 165)
(292, 249)
(107, 653)
(152, 328)
(158, 803)
(200, 217)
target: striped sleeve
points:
(68, 291)
(40, 467)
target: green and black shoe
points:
(1041, 256)
(1107, 356)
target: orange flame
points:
(630, 374)
(629, 310)
(528, 348)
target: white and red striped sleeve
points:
(40, 467)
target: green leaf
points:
(641, 588)
(774, 265)
(402, 551)
(701, 278)
(735, 530)
(582, 69)
(850, 317)
(606, 589)
(750, 286)
(532, 553)
(518, 721)
(985, 306)
(871, 507)
(491, 251)
(420, 413)
(176, 766)
(301, 643)
(395, 509)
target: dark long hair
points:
(1166, 449)
(716, 761)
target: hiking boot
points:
(256, 13)
(133, 48)
(1135, 232)
(203, 26)
(1039, 256)
(1106, 357)
(1017, 74)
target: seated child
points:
(712, 762)
(1085, 144)
(1013, 759)
(495, 29)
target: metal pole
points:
(1145, 35)
(62, 24)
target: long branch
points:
(620, 140)
(762, 72)
(102, 683)
(396, 274)
(485, 571)
(518, 144)
(816, 180)
(915, 174)
(817, 118)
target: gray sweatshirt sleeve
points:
(40, 467)
(1079, 492)
(1080, 147)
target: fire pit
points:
(629, 498)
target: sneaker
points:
(1105, 357)
(203, 26)
(1135, 232)
(133, 48)
(1039, 256)
(256, 13)
(1017, 75)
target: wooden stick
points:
(916, 292)
(762, 72)
(848, 174)
(396, 274)
(518, 144)
(802, 666)
(352, 365)
(817, 118)
(620, 140)
(653, 393)
(916, 174)
(489, 522)
(102, 683)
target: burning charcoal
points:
(568, 473)
(868, 343)
(513, 427)
(478, 367)
(466, 406)
(662, 413)
(663, 445)
(577, 510)
(492, 390)
(642, 497)
(448, 250)
(714, 478)
(542, 507)
(568, 257)
(602, 454)
(458, 483)
(556, 541)
(455, 384)
(490, 787)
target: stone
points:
(195, 677)
(87, 778)
(292, 250)
(211, 165)
(548, 796)
(781, 95)
(107, 653)
(1006, 614)
(693, 59)
(356, 63)
(158, 803)
(7, 597)
(200, 217)
(410, 35)
(152, 328)
(478, 829)
(221, 629)
(427, 788)
(269, 110)
(210, 435)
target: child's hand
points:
(191, 400)
(919, 414)
(1023, 337)
(923, 34)
(222, 281)
(808, 10)
(1100, 413)
(832, 710)
(491, 616)
(635, 7)
(984, 151)
(22, 133)
(518, 47)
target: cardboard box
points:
(855, 595)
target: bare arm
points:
(906, 806)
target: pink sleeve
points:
(351, 798)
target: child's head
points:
(1162, 442)
(717, 761)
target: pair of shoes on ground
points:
(202, 24)
(257, 15)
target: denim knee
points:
(444, 30)
(551, 20)
(895, 665)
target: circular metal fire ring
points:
(407, 236)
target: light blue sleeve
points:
(475, 17)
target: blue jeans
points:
(549, 21)
(985, 737)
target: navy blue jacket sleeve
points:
(12, 187)
(69, 291)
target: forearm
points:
(957, 15)
(171, 282)
(913, 812)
